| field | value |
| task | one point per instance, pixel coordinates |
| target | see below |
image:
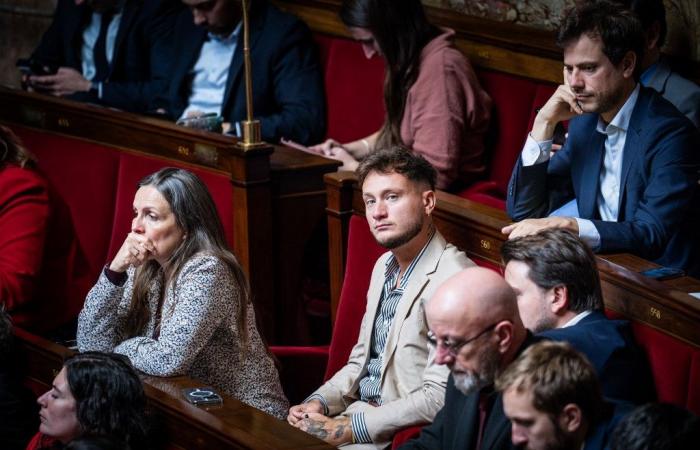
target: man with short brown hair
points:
(553, 399)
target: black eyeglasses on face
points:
(453, 347)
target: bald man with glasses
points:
(476, 332)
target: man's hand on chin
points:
(336, 431)
(531, 226)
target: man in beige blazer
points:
(391, 380)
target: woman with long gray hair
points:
(175, 300)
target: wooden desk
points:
(475, 228)
(233, 425)
(278, 193)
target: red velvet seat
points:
(354, 89)
(304, 369)
(675, 365)
(515, 101)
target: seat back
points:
(675, 365)
(354, 89)
(515, 101)
(363, 252)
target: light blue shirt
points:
(210, 73)
(90, 34)
(608, 196)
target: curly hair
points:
(399, 160)
(109, 396)
(12, 151)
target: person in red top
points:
(37, 246)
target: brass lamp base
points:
(251, 135)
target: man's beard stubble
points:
(469, 382)
(398, 241)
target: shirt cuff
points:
(588, 233)
(320, 398)
(116, 278)
(535, 152)
(359, 429)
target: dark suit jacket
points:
(287, 86)
(682, 93)
(659, 212)
(141, 40)
(456, 426)
(601, 431)
(609, 345)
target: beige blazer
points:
(412, 385)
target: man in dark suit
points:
(552, 397)
(207, 73)
(630, 160)
(656, 70)
(106, 51)
(476, 332)
(555, 279)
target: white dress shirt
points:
(608, 196)
(90, 34)
(210, 73)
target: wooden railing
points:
(180, 425)
(489, 44)
(475, 228)
(278, 193)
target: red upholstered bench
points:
(354, 89)
(515, 100)
(98, 183)
(675, 365)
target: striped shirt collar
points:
(391, 271)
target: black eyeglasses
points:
(453, 348)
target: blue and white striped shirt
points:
(370, 384)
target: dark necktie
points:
(100, 50)
(484, 403)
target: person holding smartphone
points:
(434, 103)
(103, 51)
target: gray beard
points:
(470, 382)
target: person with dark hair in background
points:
(555, 278)
(630, 160)
(176, 301)
(106, 51)
(207, 77)
(94, 394)
(39, 269)
(552, 397)
(656, 70)
(657, 426)
(434, 103)
(18, 419)
(391, 380)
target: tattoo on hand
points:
(315, 428)
(339, 431)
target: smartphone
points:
(202, 396)
(34, 67)
(663, 273)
